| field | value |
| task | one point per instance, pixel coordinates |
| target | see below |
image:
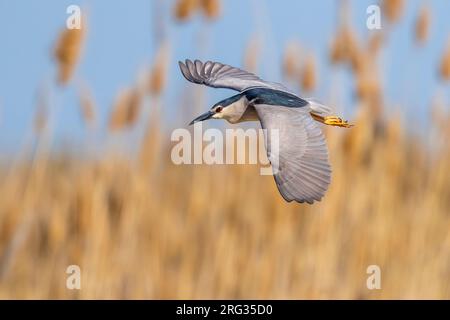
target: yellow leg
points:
(331, 121)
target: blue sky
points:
(120, 42)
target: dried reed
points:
(150, 232)
(445, 63)
(126, 109)
(251, 54)
(393, 9)
(422, 26)
(158, 74)
(67, 51)
(309, 74)
(184, 9)
(87, 106)
(211, 8)
(344, 45)
(291, 60)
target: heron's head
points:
(225, 109)
(214, 113)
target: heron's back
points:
(274, 97)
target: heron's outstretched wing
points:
(297, 151)
(218, 75)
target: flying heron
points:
(301, 156)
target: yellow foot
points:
(336, 121)
(331, 121)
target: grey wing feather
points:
(299, 156)
(218, 75)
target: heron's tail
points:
(324, 114)
(319, 109)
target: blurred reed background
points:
(142, 227)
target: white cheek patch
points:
(233, 112)
(229, 111)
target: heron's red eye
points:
(219, 109)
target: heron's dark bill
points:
(205, 116)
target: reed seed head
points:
(211, 8)
(126, 109)
(291, 60)
(393, 9)
(251, 54)
(422, 26)
(158, 74)
(87, 106)
(445, 64)
(184, 9)
(308, 76)
(67, 52)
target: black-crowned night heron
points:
(301, 156)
